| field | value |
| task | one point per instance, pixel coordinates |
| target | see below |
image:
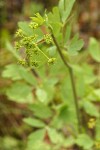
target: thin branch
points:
(72, 82)
(60, 53)
(35, 73)
(41, 41)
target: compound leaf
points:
(41, 111)
(20, 92)
(84, 141)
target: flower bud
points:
(51, 60)
(48, 38)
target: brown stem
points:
(41, 41)
(72, 82)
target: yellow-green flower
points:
(97, 144)
(91, 123)
(48, 38)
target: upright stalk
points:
(72, 82)
(75, 98)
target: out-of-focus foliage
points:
(8, 143)
(94, 47)
(44, 95)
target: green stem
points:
(75, 98)
(72, 82)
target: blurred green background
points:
(13, 132)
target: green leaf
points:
(96, 94)
(36, 141)
(37, 135)
(8, 142)
(11, 71)
(41, 95)
(54, 136)
(39, 32)
(66, 86)
(26, 29)
(54, 21)
(39, 145)
(49, 87)
(34, 122)
(41, 111)
(64, 112)
(80, 85)
(20, 92)
(69, 141)
(75, 45)
(65, 7)
(94, 49)
(90, 109)
(17, 72)
(38, 19)
(88, 73)
(52, 51)
(75, 38)
(67, 114)
(67, 34)
(11, 49)
(84, 141)
(54, 16)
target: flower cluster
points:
(19, 33)
(48, 38)
(22, 62)
(30, 43)
(17, 45)
(33, 25)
